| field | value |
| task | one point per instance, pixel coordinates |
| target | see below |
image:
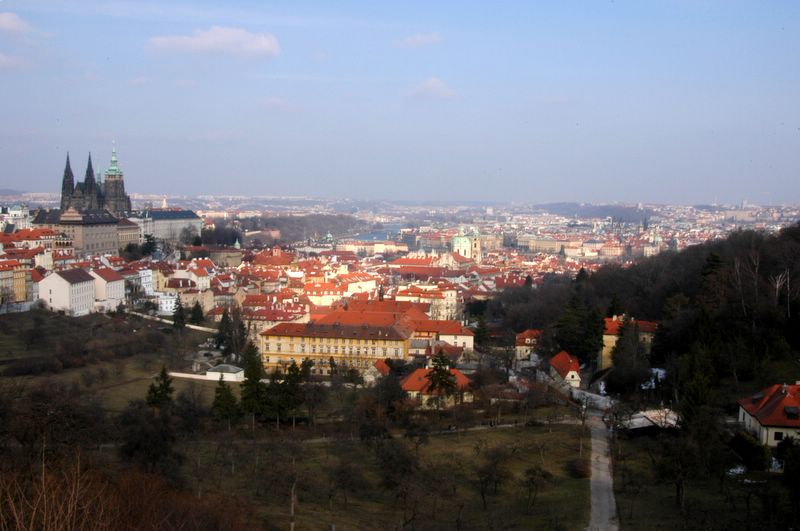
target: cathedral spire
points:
(67, 185)
(89, 173)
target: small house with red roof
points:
(526, 342)
(772, 414)
(417, 385)
(564, 367)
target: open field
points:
(441, 492)
(647, 502)
(111, 358)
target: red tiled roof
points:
(418, 381)
(109, 275)
(391, 333)
(613, 325)
(769, 406)
(531, 334)
(564, 362)
(382, 367)
(452, 328)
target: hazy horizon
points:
(669, 103)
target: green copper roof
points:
(114, 169)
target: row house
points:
(16, 283)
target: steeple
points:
(114, 170)
(67, 185)
(89, 179)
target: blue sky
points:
(682, 102)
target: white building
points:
(167, 302)
(70, 291)
(109, 288)
(169, 224)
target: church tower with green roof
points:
(92, 194)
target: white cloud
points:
(420, 39)
(141, 80)
(9, 61)
(12, 23)
(235, 41)
(433, 88)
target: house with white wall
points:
(70, 291)
(109, 288)
(772, 414)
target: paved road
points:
(604, 506)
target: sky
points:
(658, 102)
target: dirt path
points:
(604, 507)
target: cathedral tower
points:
(67, 186)
(116, 200)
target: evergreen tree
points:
(224, 332)
(149, 245)
(159, 394)
(225, 407)
(238, 340)
(253, 389)
(614, 307)
(631, 363)
(481, 332)
(147, 439)
(441, 381)
(580, 330)
(196, 317)
(292, 389)
(179, 317)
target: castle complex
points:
(95, 194)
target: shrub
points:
(579, 468)
(754, 455)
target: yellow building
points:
(612, 327)
(350, 346)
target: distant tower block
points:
(164, 202)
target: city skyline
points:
(669, 103)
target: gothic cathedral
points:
(94, 194)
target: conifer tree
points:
(253, 390)
(440, 380)
(159, 394)
(179, 317)
(226, 407)
(196, 317)
(224, 331)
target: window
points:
(778, 436)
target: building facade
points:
(70, 291)
(350, 347)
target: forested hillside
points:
(727, 309)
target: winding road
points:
(604, 507)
